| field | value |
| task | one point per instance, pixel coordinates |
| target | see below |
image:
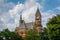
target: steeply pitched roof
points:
(22, 24)
(29, 25)
(21, 18)
(37, 12)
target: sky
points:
(10, 11)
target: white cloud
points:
(28, 12)
(58, 8)
(43, 2)
(46, 16)
(1, 1)
(4, 15)
(30, 9)
(17, 9)
(15, 14)
(11, 27)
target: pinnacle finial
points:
(21, 17)
(38, 9)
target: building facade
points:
(25, 27)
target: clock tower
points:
(38, 26)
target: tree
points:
(44, 34)
(8, 35)
(31, 35)
(53, 27)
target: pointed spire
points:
(20, 17)
(37, 11)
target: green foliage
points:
(53, 27)
(30, 35)
(9, 35)
(44, 34)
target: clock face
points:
(38, 17)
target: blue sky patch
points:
(16, 1)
